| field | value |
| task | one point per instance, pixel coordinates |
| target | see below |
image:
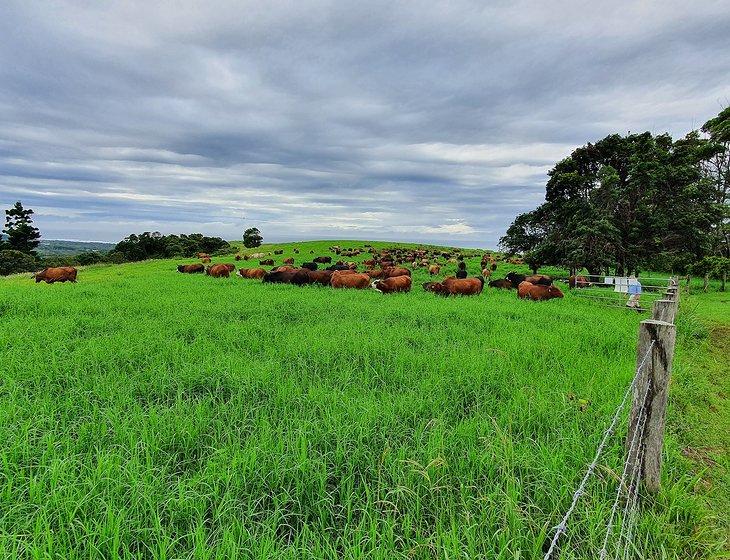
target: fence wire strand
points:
(562, 526)
(633, 450)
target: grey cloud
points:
(434, 122)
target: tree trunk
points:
(705, 283)
(722, 282)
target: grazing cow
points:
(515, 278)
(541, 279)
(238, 257)
(205, 260)
(578, 282)
(56, 274)
(486, 273)
(538, 292)
(298, 277)
(278, 251)
(349, 279)
(322, 277)
(254, 273)
(395, 271)
(351, 265)
(220, 270)
(505, 284)
(267, 262)
(493, 267)
(434, 269)
(369, 262)
(296, 251)
(393, 284)
(322, 260)
(203, 256)
(451, 286)
(190, 268)
(290, 260)
(309, 265)
(338, 267)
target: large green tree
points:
(623, 202)
(21, 234)
(252, 238)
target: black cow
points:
(309, 265)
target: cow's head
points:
(554, 292)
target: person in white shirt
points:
(634, 290)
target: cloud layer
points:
(376, 120)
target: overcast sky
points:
(368, 120)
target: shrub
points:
(13, 262)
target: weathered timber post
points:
(655, 375)
(664, 310)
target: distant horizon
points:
(298, 240)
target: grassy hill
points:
(146, 413)
(59, 247)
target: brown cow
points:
(322, 277)
(220, 270)
(290, 260)
(578, 282)
(350, 279)
(375, 272)
(238, 257)
(205, 260)
(190, 268)
(538, 292)
(203, 256)
(486, 273)
(395, 271)
(56, 274)
(434, 269)
(502, 283)
(542, 279)
(267, 262)
(255, 273)
(393, 284)
(283, 268)
(451, 286)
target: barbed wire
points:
(640, 421)
(562, 526)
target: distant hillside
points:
(62, 247)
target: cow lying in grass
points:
(220, 270)
(254, 273)
(191, 268)
(451, 286)
(392, 285)
(538, 292)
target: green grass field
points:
(150, 414)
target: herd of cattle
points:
(385, 271)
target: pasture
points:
(146, 413)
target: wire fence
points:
(642, 462)
(562, 526)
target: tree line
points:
(639, 201)
(20, 240)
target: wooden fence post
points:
(664, 310)
(655, 374)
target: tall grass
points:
(146, 413)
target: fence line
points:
(561, 527)
(645, 434)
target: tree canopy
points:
(252, 238)
(631, 201)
